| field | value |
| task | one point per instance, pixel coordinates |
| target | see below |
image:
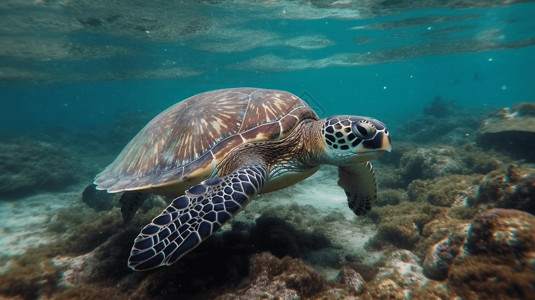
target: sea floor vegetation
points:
(454, 219)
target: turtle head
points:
(354, 138)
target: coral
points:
(514, 188)
(28, 166)
(287, 278)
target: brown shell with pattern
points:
(184, 144)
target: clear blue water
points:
(80, 64)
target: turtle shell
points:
(184, 144)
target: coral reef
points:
(499, 260)
(444, 122)
(433, 233)
(28, 166)
(510, 130)
(436, 161)
(94, 253)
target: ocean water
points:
(79, 78)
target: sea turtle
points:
(217, 150)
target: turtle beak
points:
(373, 148)
(387, 146)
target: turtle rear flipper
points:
(130, 203)
(195, 216)
(358, 181)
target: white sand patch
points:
(24, 220)
(321, 194)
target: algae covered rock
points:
(400, 275)
(438, 259)
(514, 188)
(28, 166)
(499, 260)
(439, 161)
(444, 191)
(504, 232)
(511, 129)
(401, 224)
(274, 278)
(351, 279)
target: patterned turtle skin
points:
(216, 150)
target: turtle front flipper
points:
(195, 216)
(358, 181)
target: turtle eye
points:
(364, 129)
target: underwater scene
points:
(99, 202)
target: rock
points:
(400, 224)
(440, 161)
(514, 188)
(444, 191)
(499, 262)
(274, 278)
(401, 275)
(437, 261)
(388, 289)
(427, 163)
(510, 130)
(351, 279)
(505, 232)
